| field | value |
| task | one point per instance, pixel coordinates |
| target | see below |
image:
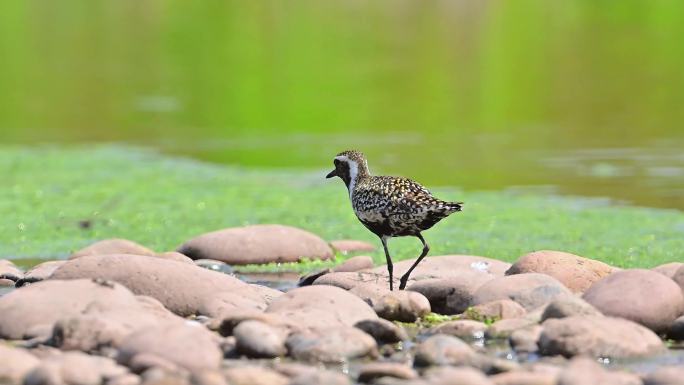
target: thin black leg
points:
(405, 277)
(390, 267)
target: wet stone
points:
(404, 306)
(443, 350)
(254, 375)
(384, 332)
(372, 371)
(495, 310)
(464, 329)
(259, 340)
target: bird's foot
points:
(402, 283)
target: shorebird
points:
(390, 206)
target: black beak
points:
(331, 174)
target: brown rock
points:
(506, 327)
(370, 293)
(575, 272)
(443, 350)
(15, 364)
(260, 340)
(6, 282)
(447, 266)
(464, 329)
(331, 345)
(567, 307)
(374, 370)
(598, 337)
(40, 272)
(257, 244)
(404, 306)
(346, 246)
(321, 377)
(181, 287)
(666, 375)
(9, 271)
(226, 303)
(357, 263)
(254, 375)
(75, 368)
(349, 280)
(530, 290)
(447, 375)
(384, 332)
(669, 269)
(174, 256)
(320, 306)
(496, 310)
(642, 296)
(113, 246)
(190, 346)
(679, 277)
(519, 377)
(451, 295)
(525, 340)
(33, 311)
(584, 370)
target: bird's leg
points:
(405, 277)
(390, 267)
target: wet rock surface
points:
(529, 290)
(257, 244)
(404, 306)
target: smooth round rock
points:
(384, 331)
(320, 377)
(374, 370)
(260, 340)
(519, 377)
(679, 277)
(495, 310)
(346, 246)
(642, 296)
(446, 266)
(585, 370)
(451, 295)
(9, 271)
(257, 244)
(449, 375)
(113, 246)
(574, 272)
(15, 364)
(254, 375)
(360, 262)
(597, 336)
(668, 269)
(567, 307)
(676, 330)
(39, 272)
(441, 349)
(75, 368)
(464, 329)
(525, 340)
(667, 375)
(403, 306)
(530, 290)
(330, 345)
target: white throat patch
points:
(353, 171)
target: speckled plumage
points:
(390, 206)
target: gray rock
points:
(597, 336)
(182, 288)
(75, 368)
(505, 328)
(190, 346)
(451, 295)
(113, 246)
(374, 370)
(464, 329)
(254, 375)
(257, 244)
(15, 364)
(349, 280)
(331, 345)
(584, 370)
(667, 375)
(404, 306)
(260, 340)
(530, 290)
(321, 377)
(642, 296)
(526, 340)
(443, 350)
(384, 332)
(495, 310)
(567, 307)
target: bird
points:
(390, 206)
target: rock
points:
(370, 293)
(257, 244)
(39, 272)
(75, 368)
(260, 340)
(9, 271)
(320, 306)
(447, 375)
(208, 377)
(642, 296)
(33, 311)
(384, 332)
(346, 246)
(506, 327)
(226, 325)
(584, 370)
(679, 277)
(190, 346)
(451, 295)
(374, 370)
(519, 377)
(254, 375)
(357, 263)
(175, 256)
(464, 329)
(404, 306)
(669, 269)
(597, 336)
(320, 377)
(525, 340)
(113, 246)
(181, 287)
(530, 290)
(666, 375)
(215, 265)
(676, 331)
(575, 272)
(330, 345)
(567, 307)
(226, 303)
(443, 350)
(15, 364)
(495, 310)
(6, 282)
(349, 280)
(446, 266)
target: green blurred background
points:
(569, 97)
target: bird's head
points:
(349, 165)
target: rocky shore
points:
(118, 313)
